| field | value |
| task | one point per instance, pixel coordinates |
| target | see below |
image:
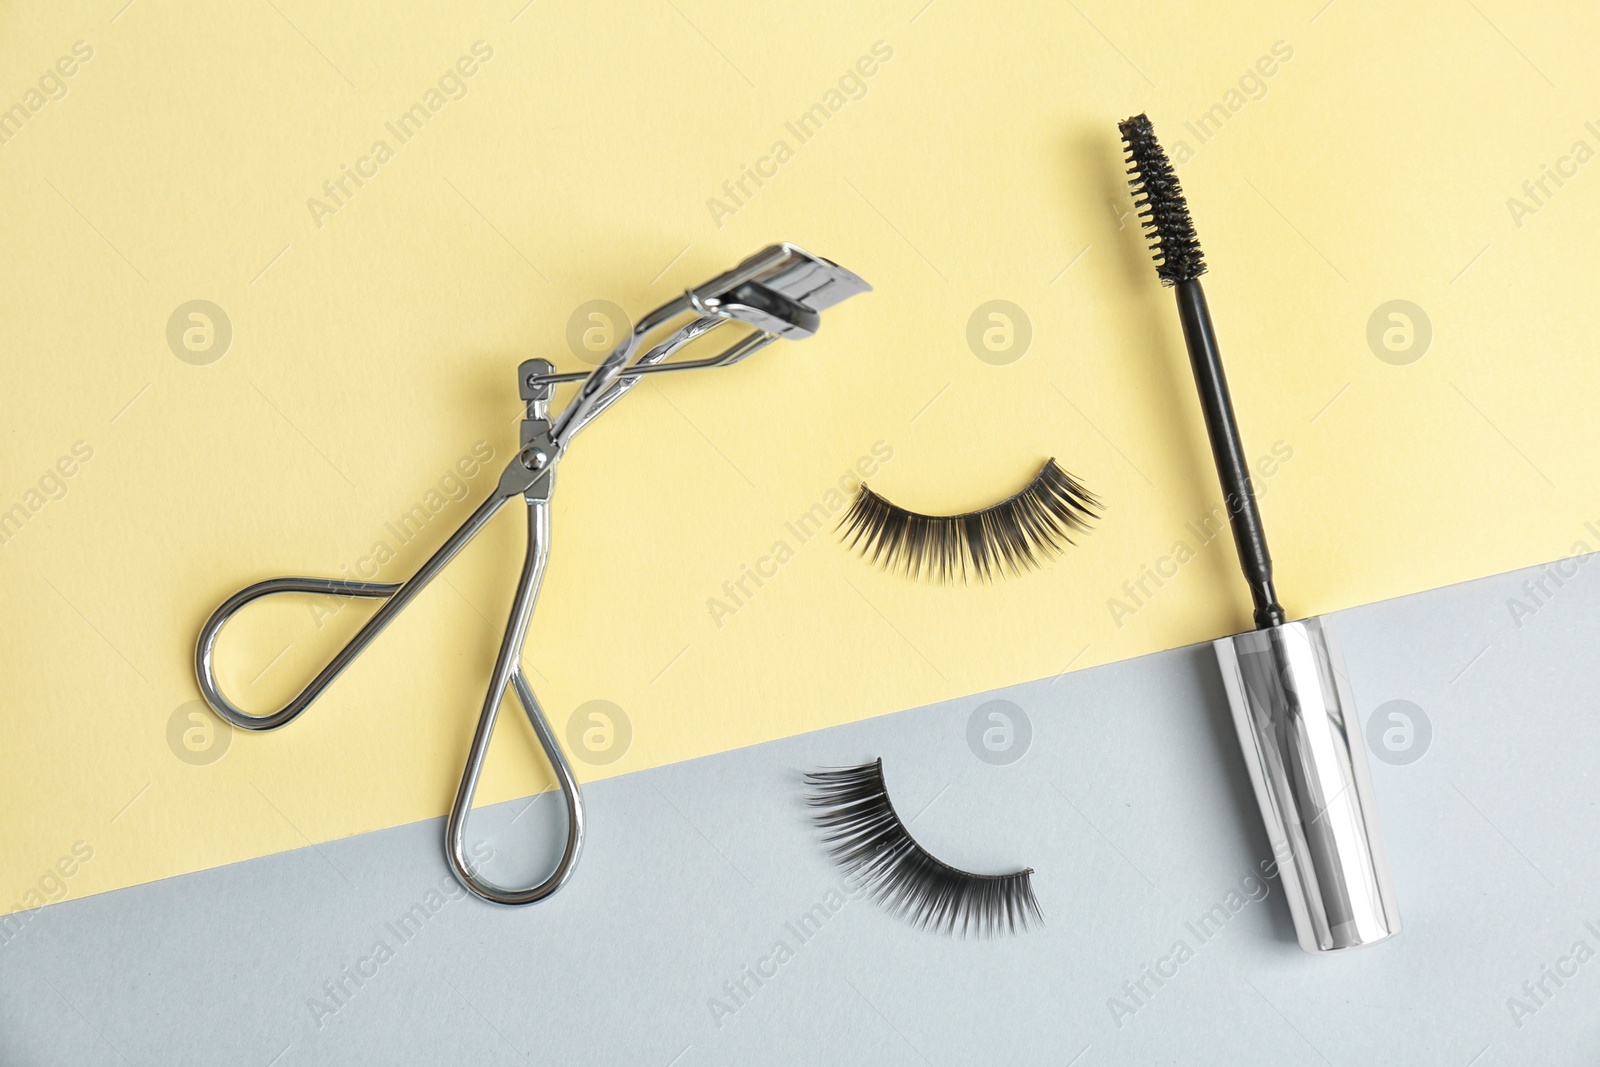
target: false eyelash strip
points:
(867, 838)
(1024, 530)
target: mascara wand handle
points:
(1233, 470)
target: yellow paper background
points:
(371, 352)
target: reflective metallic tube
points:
(1302, 741)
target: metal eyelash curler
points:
(779, 292)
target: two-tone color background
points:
(259, 322)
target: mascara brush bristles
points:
(877, 852)
(1022, 531)
(1161, 206)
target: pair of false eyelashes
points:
(876, 851)
(863, 832)
(1024, 530)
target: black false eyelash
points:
(1021, 531)
(869, 841)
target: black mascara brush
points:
(1179, 263)
(1286, 682)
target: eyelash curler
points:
(779, 293)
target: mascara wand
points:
(1286, 681)
(1179, 263)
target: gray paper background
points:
(1125, 792)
